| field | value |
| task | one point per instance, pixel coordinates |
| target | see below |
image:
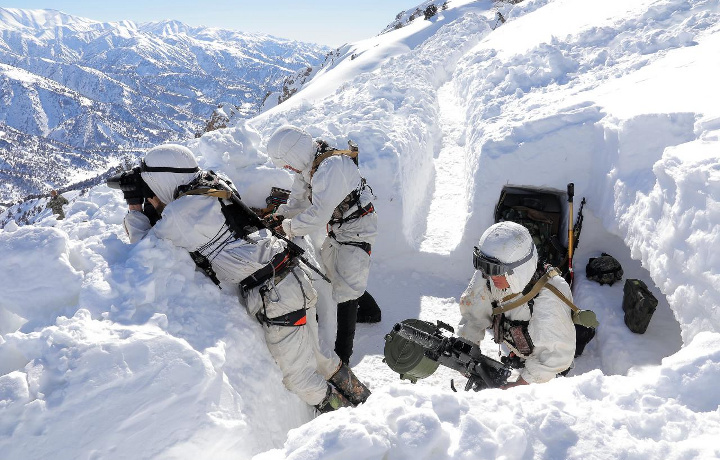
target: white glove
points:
(287, 228)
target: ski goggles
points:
(490, 266)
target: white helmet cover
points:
(509, 243)
(166, 167)
(292, 146)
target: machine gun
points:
(414, 349)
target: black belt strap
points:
(359, 212)
(367, 247)
(294, 318)
(277, 266)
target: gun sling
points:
(542, 282)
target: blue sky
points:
(327, 22)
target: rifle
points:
(293, 248)
(414, 349)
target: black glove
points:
(273, 220)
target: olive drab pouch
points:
(586, 324)
(639, 304)
(604, 269)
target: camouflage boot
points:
(349, 385)
(333, 400)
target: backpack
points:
(604, 269)
(542, 214)
(639, 304)
(325, 151)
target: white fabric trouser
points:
(348, 267)
(296, 349)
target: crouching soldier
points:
(529, 318)
(198, 217)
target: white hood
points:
(165, 184)
(510, 242)
(292, 146)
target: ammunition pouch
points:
(514, 332)
(521, 337)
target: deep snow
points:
(111, 350)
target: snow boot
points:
(333, 400)
(349, 385)
(346, 319)
(368, 309)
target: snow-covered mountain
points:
(75, 92)
(111, 350)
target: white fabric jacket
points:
(192, 222)
(312, 201)
(550, 326)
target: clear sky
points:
(328, 22)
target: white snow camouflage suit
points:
(192, 222)
(550, 325)
(311, 205)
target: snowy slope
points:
(109, 350)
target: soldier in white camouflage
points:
(56, 203)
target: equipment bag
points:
(604, 269)
(638, 304)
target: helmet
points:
(291, 146)
(507, 248)
(166, 167)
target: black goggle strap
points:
(146, 168)
(490, 266)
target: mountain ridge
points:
(104, 86)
